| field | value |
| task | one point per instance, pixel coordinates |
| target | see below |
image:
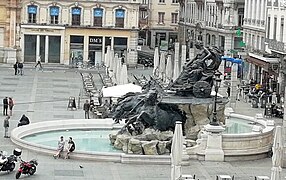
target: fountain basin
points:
(241, 146)
(19, 133)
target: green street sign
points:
(242, 44)
(233, 51)
(238, 32)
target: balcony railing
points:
(275, 45)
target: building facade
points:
(275, 37)
(9, 19)
(68, 32)
(213, 22)
(260, 66)
(163, 18)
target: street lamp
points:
(217, 82)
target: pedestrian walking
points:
(20, 67)
(86, 108)
(5, 106)
(11, 105)
(39, 64)
(228, 91)
(6, 126)
(16, 68)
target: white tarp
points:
(120, 90)
(177, 152)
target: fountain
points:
(150, 120)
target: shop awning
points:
(231, 59)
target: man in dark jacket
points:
(5, 106)
(16, 68)
(86, 108)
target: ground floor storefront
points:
(263, 70)
(67, 46)
(43, 43)
(91, 45)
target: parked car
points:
(147, 62)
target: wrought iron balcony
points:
(276, 45)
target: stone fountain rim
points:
(33, 128)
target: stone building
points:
(68, 32)
(213, 22)
(9, 18)
(163, 18)
(260, 66)
(275, 37)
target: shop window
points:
(76, 15)
(119, 18)
(32, 14)
(97, 17)
(54, 14)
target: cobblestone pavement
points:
(43, 96)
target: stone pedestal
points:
(233, 83)
(198, 115)
(214, 150)
(11, 55)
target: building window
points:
(175, 1)
(32, 14)
(54, 14)
(161, 16)
(119, 18)
(262, 44)
(253, 41)
(268, 27)
(97, 17)
(257, 42)
(240, 16)
(275, 28)
(281, 29)
(174, 18)
(144, 1)
(76, 14)
(161, 1)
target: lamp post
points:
(217, 82)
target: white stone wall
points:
(254, 24)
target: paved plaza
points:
(43, 96)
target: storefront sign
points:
(98, 12)
(95, 40)
(76, 11)
(119, 13)
(164, 45)
(32, 9)
(54, 11)
(276, 45)
(42, 30)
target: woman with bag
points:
(11, 105)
